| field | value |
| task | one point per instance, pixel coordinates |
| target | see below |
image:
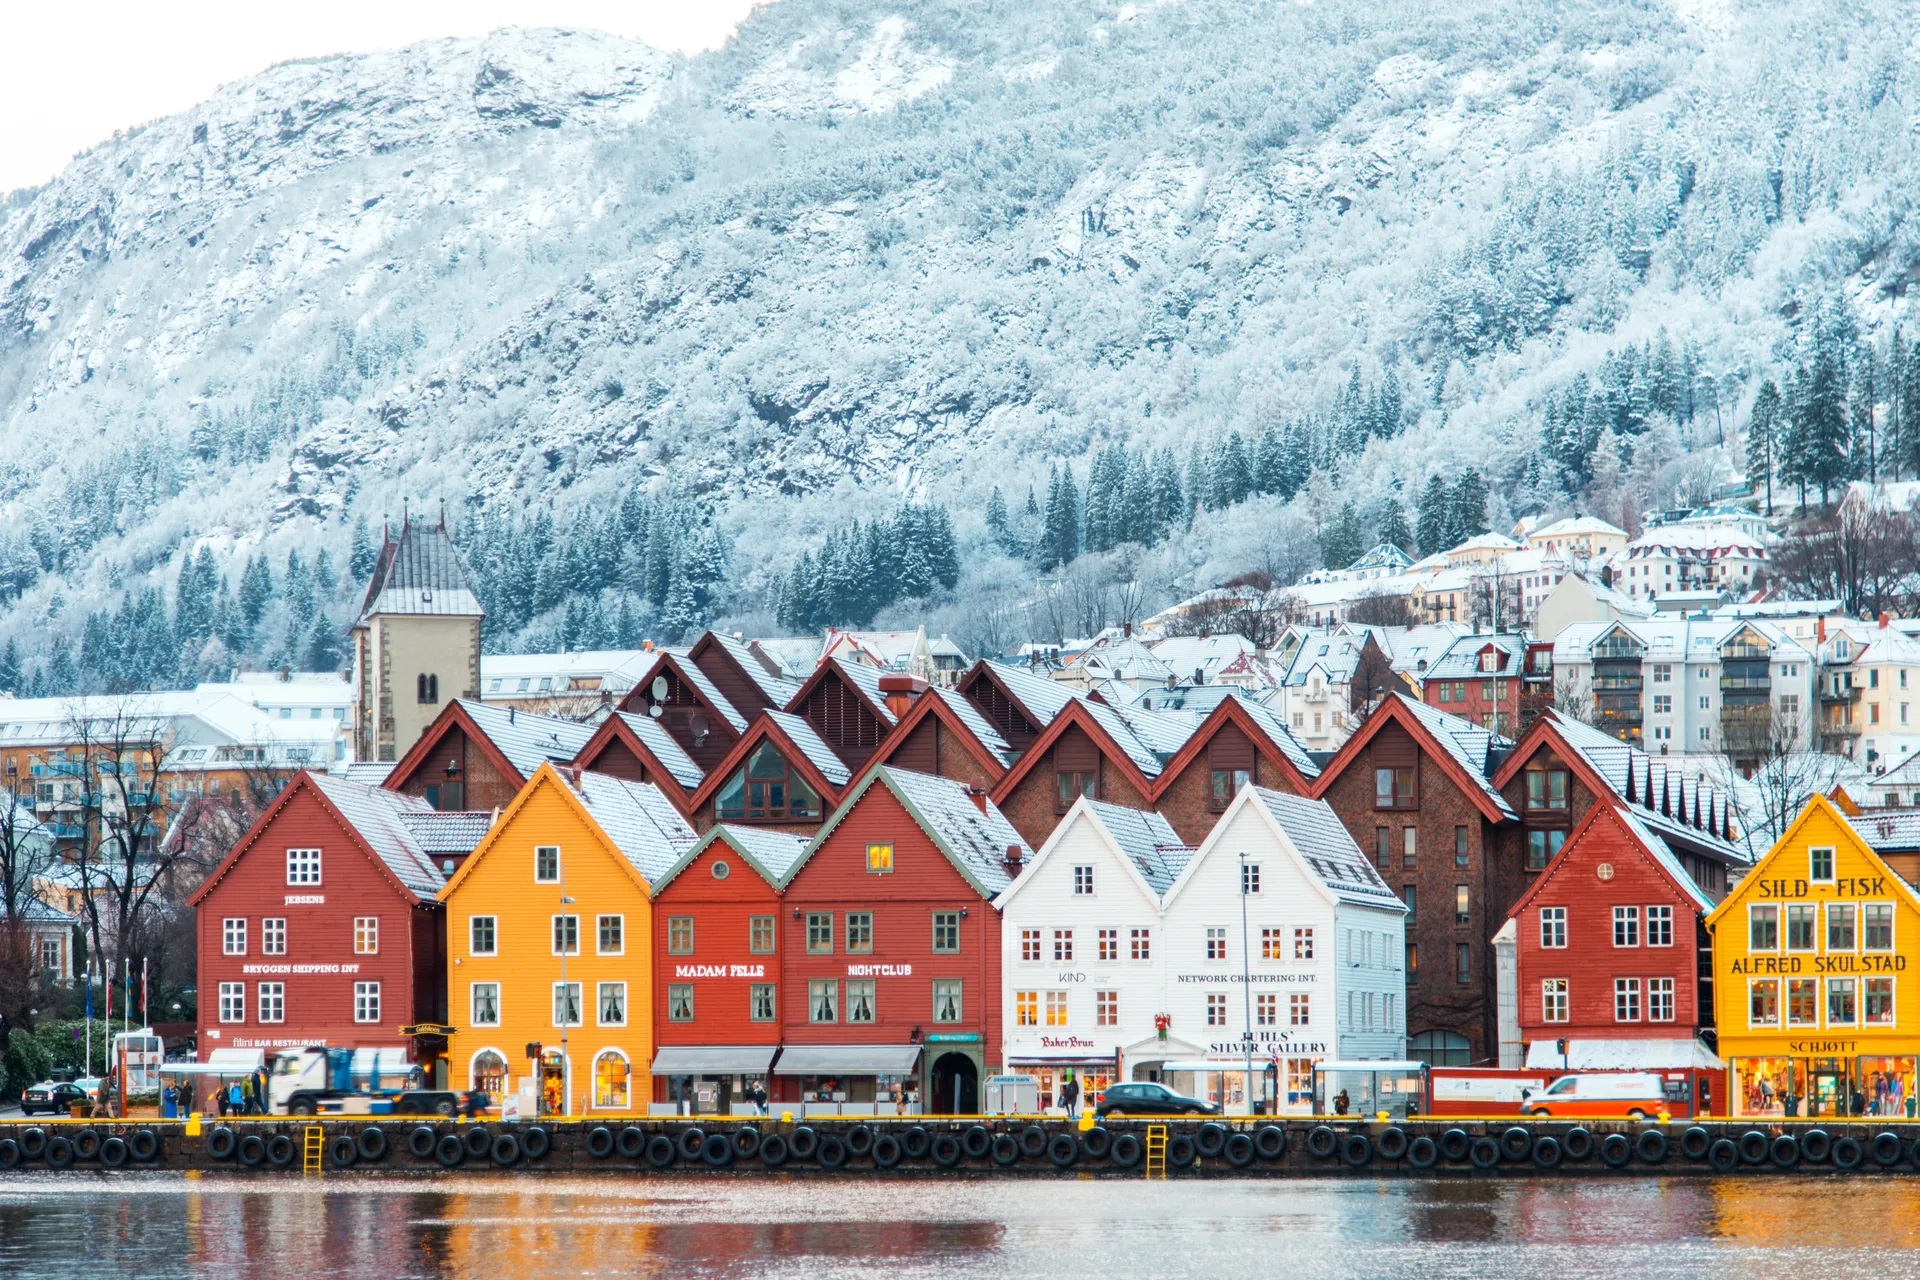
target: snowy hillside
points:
(880, 251)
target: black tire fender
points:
(1211, 1139)
(916, 1142)
(691, 1142)
(1270, 1141)
(1097, 1142)
(1423, 1152)
(1033, 1142)
(1356, 1151)
(1615, 1150)
(1321, 1142)
(1723, 1155)
(280, 1150)
(144, 1144)
(1455, 1145)
(1125, 1152)
(1516, 1143)
(632, 1142)
(946, 1150)
(804, 1142)
(1485, 1153)
(717, 1150)
(343, 1152)
(976, 1141)
(1063, 1150)
(662, 1151)
(86, 1144)
(1547, 1152)
(887, 1151)
(773, 1151)
(536, 1141)
(372, 1143)
(859, 1139)
(1006, 1150)
(1651, 1147)
(746, 1141)
(1578, 1143)
(506, 1149)
(479, 1141)
(1239, 1150)
(1785, 1151)
(1393, 1143)
(1754, 1146)
(10, 1156)
(832, 1152)
(59, 1152)
(1887, 1149)
(1182, 1151)
(33, 1142)
(1694, 1143)
(450, 1151)
(1815, 1145)
(1848, 1154)
(421, 1140)
(113, 1152)
(252, 1150)
(220, 1143)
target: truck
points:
(326, 1080)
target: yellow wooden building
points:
(550, 944)
(1815, 1014)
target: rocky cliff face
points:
(918, 249)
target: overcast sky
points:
(72, 73)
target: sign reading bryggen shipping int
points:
(1816, 1017)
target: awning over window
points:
(1623, 1055)
(1053, 1057)
(712, 1060)
(847, 1060)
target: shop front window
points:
(1763, 1086)
(489, 1073)
(611, 1076)
(1887, 1087)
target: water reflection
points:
(173, 1228)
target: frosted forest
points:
(1016, 318)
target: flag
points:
(89, 991)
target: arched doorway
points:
(556, 1089)
(487, 1073)
(956, 1085)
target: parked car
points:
(1149, 1099)
(1600, 1093)
(53, 1096)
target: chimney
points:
(979, 797)
(1015, 859)
(646, 646)
(1820, 630)
(1126, 629)
(510, 711)
(899, 692)
(1885, 619)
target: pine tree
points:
(997, 526)
(322, 651)
(1170, 501)
(12, 679)
(1434, 527)
(1469, 506)
(1340, 538)
(1069, 531)
(1762, 440)
(681, 615)
(256, 589)
(362, 555)
(1232, 472)
(1392, 530)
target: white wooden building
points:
(1080, 946)
(1279, 929)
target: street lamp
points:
(1246, 986)
(568, 942)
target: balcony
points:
(61, 831)
(1618, 684)
(1836, 697)
(1761, 683)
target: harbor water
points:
(163, 1226)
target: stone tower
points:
(416, 644)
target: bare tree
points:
(26, 855)
(1573, 695)
(1766, 762)
(1373, 678)
(1381, 609)
(1865, 555)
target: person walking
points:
(236, 1099)
(1070, 1095)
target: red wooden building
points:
(321, 927)
(891, 948)
(716, 969)
(638, 748)
(1611, 947)
(476, 756)
(1239, 742)
(706, 697)
(779, 773)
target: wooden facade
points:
(455, 765)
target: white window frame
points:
(473, 1005)
(303, 867)
(1629, 991)
(599, 931)
(1778, 1008)
(1250, 879)
(363, 993)
(233, 936)
(1893, 929)
(1630, 917)
(1650, 913)
(493, 928)
(1553, 928)
(271, 998)
(1832, 863)
(1893, 1004)
(369, 928)
(233, 1002)
(599, 1003)
(1660, 993)
(553, 938)
(1753, 910)
(537, 851)
(579, 1002)
(1555, 1003)
(273, 936)
(1083, 880)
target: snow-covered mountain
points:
(874, 250)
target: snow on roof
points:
(1045, 698)
(771, 853)
(710, 691)
(616, 670)
(368, 772)
(640, 821)
(1119, 728)
(1574, 527)
(977, 724)
(527, 740)
(420, 573)
(812, 746)
(380, 819)
(1461, 659)
(1276, 728)
(1469, 744)
(1625, 769)
(867, 680)
(1147, 839)
(1673, 538)
(776, 689)
(1889, 830)
(1327, 848)
(976, 840)
(672, 757)
(453, 831)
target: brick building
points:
(941, 733)
(475, 756)
(1239, 744)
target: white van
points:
(1599, 1093)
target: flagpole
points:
(87, 1068)
(144, 1020)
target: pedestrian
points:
(1341, 1103)
(236, 1099)
(220, 1100)
(1070, 1095)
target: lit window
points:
(1106, 1008)
(1029, 944)
(1270, 944)
(1303, 944)
(1056, 1008)
(1109, 944)
(1553, 1000)
(366, 935)
(1763, 1002)
(1462, 904)
(1803, 1002)
(880, 858)
(1026, 1008)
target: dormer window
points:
(766, 789)
(1547, 790)
(1490, 660)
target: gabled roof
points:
(1144, 842)
(1461, 661)
(1322, 846)
(974, 841)
(862, 679)
(1889, 830)
(706, 688)
(420, 573)
(1674, 805)
(795, 740)
(516, 743)
(441, 833)
(776, 689)
(1100, 724)
(633, 819)
(371, 818)
(1264, 728)
(961, 717)
(1651, 845)
(1040, 698)
(771, 854)
(648, 738)
(1461, 748)
(1790, 838)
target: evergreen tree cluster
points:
(867, 566)
(1451, 513)
(1630, 388)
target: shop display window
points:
(1887, 1087)
(1763, 1086)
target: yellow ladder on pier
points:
(1157, 1151)
(313, 1145)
